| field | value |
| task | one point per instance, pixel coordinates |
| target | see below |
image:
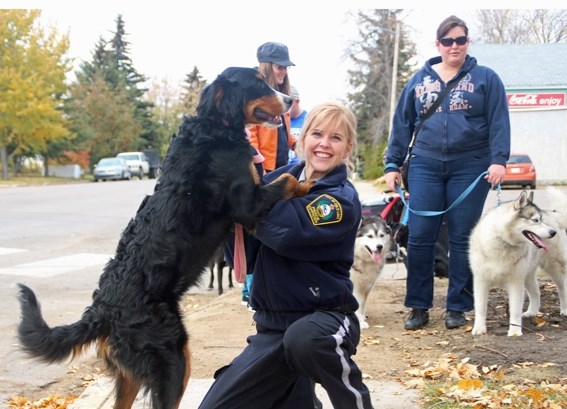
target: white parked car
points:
(111, 169)
(138, 163)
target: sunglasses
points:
(448, 41)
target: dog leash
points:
(439, 212)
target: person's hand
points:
(495, 174)
(391, 179)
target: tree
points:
(192, 87)
(371, 78)
(32, 84)
(104, 118)
(125, 121)
(167, 112)
(520, 26)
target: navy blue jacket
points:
(472, 120)
(306, 251)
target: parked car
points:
(111, 169)
(154, 160)
(137, 162)
(520, 171)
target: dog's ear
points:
(522, 200)
(221, 101)
(531, 197)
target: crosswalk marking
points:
(55, 266)
(5, 250)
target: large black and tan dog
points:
(207, 184)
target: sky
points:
(168, 38)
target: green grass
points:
(32, 180)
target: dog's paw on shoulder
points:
(294, 188)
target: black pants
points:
(274, 370)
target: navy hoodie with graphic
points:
(306, 251)
(472, 120)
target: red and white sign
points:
(536, 100)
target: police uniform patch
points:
(325, 210)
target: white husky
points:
(373, 242)
(506, 248)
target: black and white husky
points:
(507, 247)
(373, 242)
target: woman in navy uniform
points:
(302, 294)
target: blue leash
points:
(437, 213)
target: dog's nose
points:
(552, 233)
(379, 247)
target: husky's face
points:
(373, 238)
(533, 227)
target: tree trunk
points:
(45, 166)
(4, 160)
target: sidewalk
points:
(385, 395)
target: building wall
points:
(542, 134)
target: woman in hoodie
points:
(468, 134)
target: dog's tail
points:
(52, 344)
(558, 202)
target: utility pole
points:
(394, 76)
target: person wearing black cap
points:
(274, 143)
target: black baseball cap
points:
(275, 53)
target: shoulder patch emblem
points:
(325, 210)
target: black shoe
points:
(455, 319)
(417, 319)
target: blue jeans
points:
(435, 185)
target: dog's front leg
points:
(480, 305)
(291, 187)
(515, 301)
(532, 287)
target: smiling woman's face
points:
(325, 146)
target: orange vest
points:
(265, 140)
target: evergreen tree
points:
(371, 78)
(192, 87)
(125, 122)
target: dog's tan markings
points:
(254, 174)
(187, 354)
(292, 187)
(126, 391)
(264, 110)
(219, 94)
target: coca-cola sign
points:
(536, 99)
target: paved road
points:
(55, 239)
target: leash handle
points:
(439, 212)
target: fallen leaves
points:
(51, 402)
(451, 381)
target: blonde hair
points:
(332, 115)
(266, 70)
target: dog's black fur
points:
(207, 184)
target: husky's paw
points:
(514, 332)
(478, 330)
(564, 312)
(362, 320)
(529, 314)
